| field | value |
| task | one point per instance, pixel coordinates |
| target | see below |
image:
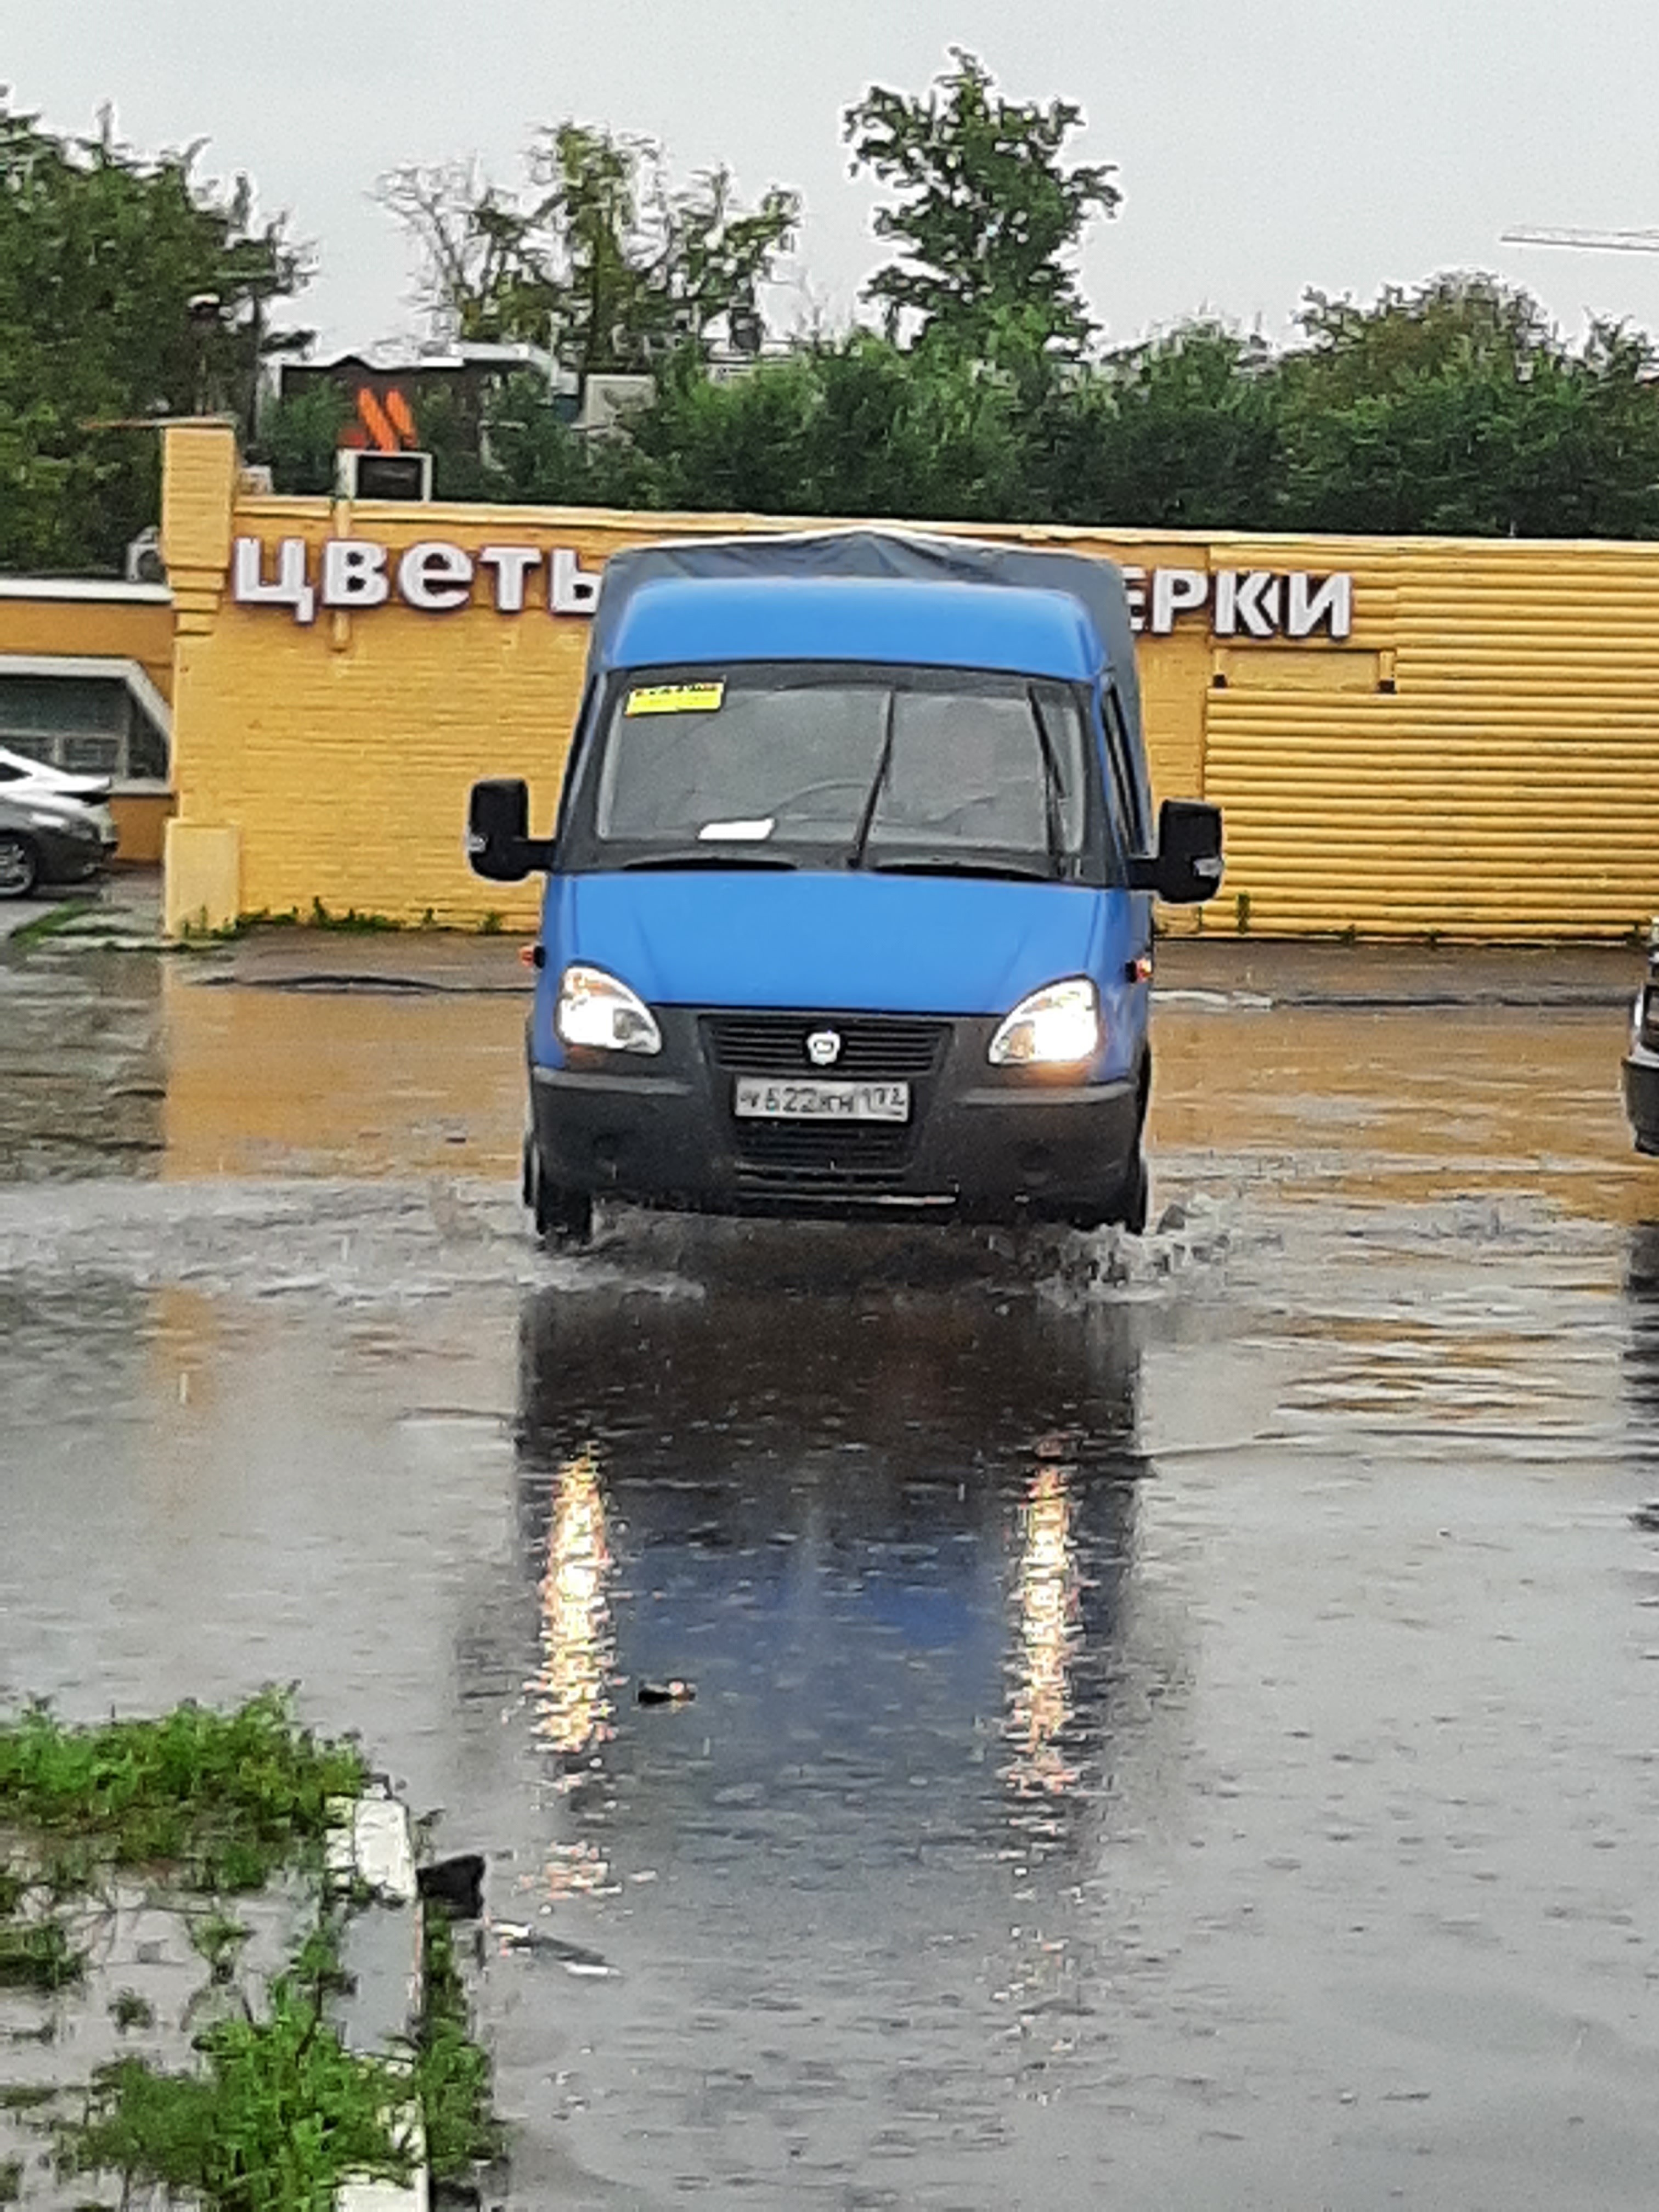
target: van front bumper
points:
(981, 1144)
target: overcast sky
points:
(1262, 145)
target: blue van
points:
(850, 898)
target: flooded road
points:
(1174, 1724)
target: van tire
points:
(1135, 1197)
(1134, 1194)
(563, 1218)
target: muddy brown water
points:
(1173, 1723)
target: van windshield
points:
(839, 766)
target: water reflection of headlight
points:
(572, 1689)
(1048, 1591)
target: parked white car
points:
(54, 826)
(23, 777)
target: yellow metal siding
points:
(1508, 787)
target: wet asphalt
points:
(1174, 1723)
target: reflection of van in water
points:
(849, 908)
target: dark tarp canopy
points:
(1097, 585)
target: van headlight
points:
(594, 1009)
(1058, 1026)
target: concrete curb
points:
(370, 1859)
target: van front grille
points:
(885, 1047)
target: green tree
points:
(1457, 408)
(854, 427)
(128, 288)
(299, 437)
(987, 215)
(600, 258)
(1179, 433)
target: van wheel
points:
(1134, 1195)
(563, 1218)
(20, 865)
(1134, 1198)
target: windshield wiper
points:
(1019, 872)
(704, 859)
(866, 817)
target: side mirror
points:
(1187, 867)
(499, 844)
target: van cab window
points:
(1125, 785)
(834, 765)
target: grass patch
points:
(322, 918)
(452, 2073)
(37, 1954)
(218, 1940)
(226, 932)
(281, 2114)
(11, 2180)
(55, 918)
(128, 2009)
(226, 1798)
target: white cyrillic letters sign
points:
(1175, 592)
(1315, 599)
(1134, 590)
(437, 578)
(353, 574)
(571, 589)
(1248, 603)
(287, 589)
(512, 564)
(434, 576)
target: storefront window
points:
(89, 724)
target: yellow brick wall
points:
(1478, 758)
(114, 629)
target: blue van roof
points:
(675, 621)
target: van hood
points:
(845, 942)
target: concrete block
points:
(201, 886)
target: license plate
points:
(759, 1098)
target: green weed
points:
(1241, 912)
(281, 2114)
(493, 924)
(321, 918)
(128, 2009)
(225, 1797)
(37, 1954)
(452, 2073)
(217, 1939)
(261, 917)
(11, 2180)
(45, 925)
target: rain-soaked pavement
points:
(1174, 1724)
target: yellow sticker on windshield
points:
(675, 699)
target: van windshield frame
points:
(832, 765)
